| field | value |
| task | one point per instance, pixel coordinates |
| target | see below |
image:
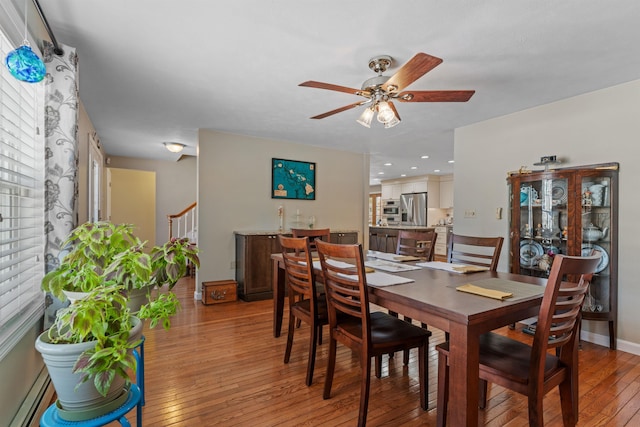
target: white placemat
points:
(391, 257)
(377, 278)
(454, 268)
(383, 265)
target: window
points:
(21, 204)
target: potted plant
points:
(88, 350)
(108, 263)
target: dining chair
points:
(419, 244)
(352, 324)
(416, 243)
(532, 370)
(313, 234)
(482, 251)
(304, 302)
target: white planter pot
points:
(60, 359)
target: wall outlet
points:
(470, 213)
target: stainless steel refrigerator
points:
(413, 208)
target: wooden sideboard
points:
(253, 260)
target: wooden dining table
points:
(432, 298)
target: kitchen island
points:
(385, 238)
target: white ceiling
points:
(158, 70)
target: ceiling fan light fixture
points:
(365, 117)
(174, 147)
(391, 123)
(385, 113)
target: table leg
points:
(278, 297)
(463, 376)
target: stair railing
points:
(186, 223)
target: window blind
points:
(21, 204)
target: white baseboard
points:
(603, 340)
(197, 296)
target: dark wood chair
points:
(482, 251)
(419, 244)
(352, 324)
(416, 243)
(313, 234)
(304, 303)
(532, 370)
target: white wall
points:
(598, 127)
(234, 193)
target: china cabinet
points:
(571, 211)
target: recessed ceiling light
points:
(436, 170)
(414, 167)
(451, 161)
(424, 157)
(380, 173)
(388, 164)
(404, 174)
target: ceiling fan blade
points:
(330, 86)
(417, 67)
(393, 108)
(436, 96)
(339, 110)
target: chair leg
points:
(569, 402)
(319, 334)
(378, 366)
(405, 354)
(394, 314)
(365, 363)
(443, 390)
(331, 366)
(482, 393)
(287, 352)
(535, 410)
(313, 339)
(423, 373)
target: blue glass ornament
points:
(25, 65)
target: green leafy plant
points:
(102, 317)
(103, 252)
(108, 261)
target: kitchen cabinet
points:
(383, 239)
(572, 211)
(446, 194)
(253, 265)
(344, 238)
(391, 191)
(414, 187)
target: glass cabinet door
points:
(596, 239)
(543, 224)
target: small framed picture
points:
(293, 179)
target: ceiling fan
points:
(380, 91)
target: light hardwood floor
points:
(221, 365)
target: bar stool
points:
(52, 418)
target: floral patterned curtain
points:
(61, 154)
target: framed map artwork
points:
(291, 179)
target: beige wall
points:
(175, 186)
(597, 127)
(133, 201)
(234, 182)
